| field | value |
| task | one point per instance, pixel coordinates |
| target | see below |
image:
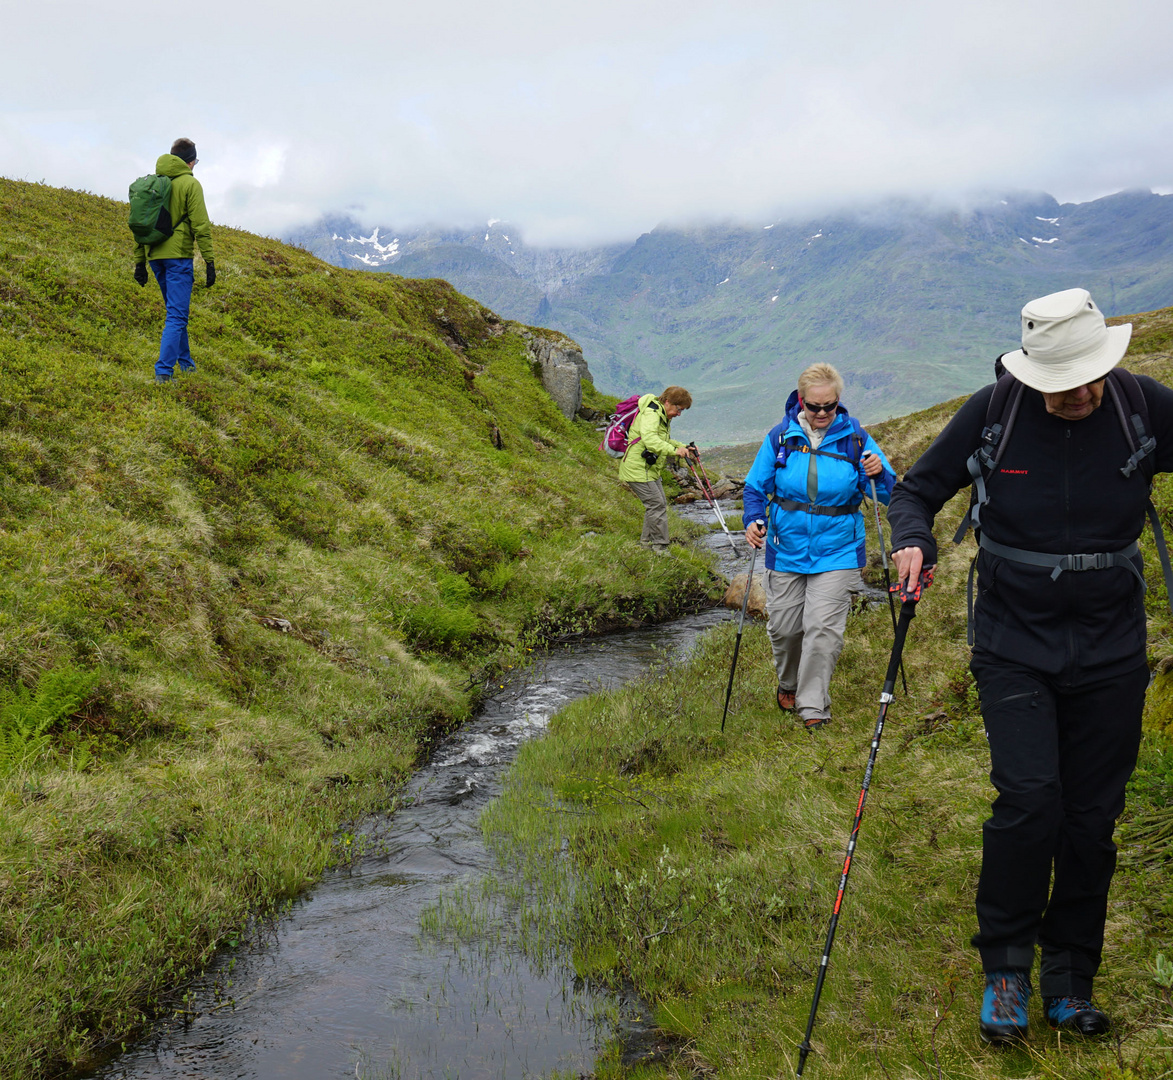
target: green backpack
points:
(150, 210)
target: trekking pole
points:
(887, 577)
(753, 555)
(707, 490)
(706, 485)
(909, 595)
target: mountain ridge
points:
(910, 300)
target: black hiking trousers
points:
(1061, 754)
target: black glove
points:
(210, 267)
(140, 273)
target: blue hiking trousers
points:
(175, 281)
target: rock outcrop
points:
(559, 363)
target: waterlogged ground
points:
(343, 985)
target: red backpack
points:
(615, 441)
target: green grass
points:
(276, 581)
(701, 867)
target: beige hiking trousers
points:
(806, 617)
(655, 530)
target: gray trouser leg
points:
(806, 617)
(651, 494)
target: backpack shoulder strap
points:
(984, 461)
(858, 441)
(1133, 412)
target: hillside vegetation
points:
(701, 867)
(236, 608)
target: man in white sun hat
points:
(1060, 452)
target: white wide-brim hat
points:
(1066, 343)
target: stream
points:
(344, 986)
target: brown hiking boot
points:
(815, 722)
(786, 700)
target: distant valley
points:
(909, 301)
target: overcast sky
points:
(589, 121)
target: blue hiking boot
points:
(1003, 1016)
(1075, 1014)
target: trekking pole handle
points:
(909, 593)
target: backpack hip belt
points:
(811, 508)
(1099, 560)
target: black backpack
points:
(1128, 401)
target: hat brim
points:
(1054, 378)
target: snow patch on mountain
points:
(378, 255)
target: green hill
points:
(235, 609)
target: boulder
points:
(563, 384)
(757, 595)
(560, 365)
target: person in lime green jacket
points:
(172, 259)
(649, 445)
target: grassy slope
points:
(276, 579)
(705, 865)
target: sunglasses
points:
(812, 408)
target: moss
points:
(1158, 706)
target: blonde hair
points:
(678, 396)
(820, 375)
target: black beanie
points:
(184, 149)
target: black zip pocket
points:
(1033, 694)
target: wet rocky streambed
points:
(345, 985)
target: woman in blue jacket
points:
(807, 482)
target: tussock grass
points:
(282, 577)
(702, 867)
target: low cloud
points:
(593, 123)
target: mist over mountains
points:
(911, 302)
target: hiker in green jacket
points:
(649, 446)
(172, 259)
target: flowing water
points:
(343, 985)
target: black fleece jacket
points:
(1058, 490)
